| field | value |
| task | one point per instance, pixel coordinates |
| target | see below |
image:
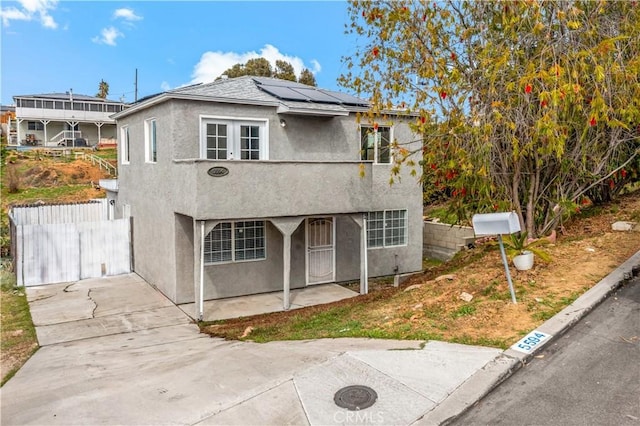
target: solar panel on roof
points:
(316, 95)
(345, 98)
(277, 82)
(284, 93)
(293, 91)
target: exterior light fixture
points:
(283, 123)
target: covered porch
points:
(256, 304)
(324, 257)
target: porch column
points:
(45, 122)
(198, 267)
(19, 122)
(286, 226)
(73, 125)
(99, 124)
(200, 230)
(364, 264)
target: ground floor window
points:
(35, 125)
(235, 242)
(386, 228)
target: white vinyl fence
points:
(65, 243)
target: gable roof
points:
(265, 91)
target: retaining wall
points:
(442, 241)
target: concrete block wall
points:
(442, 241)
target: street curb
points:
(477, 386)
(494, 373)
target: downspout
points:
(201, 295)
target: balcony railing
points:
(66, 135)
(63, 114)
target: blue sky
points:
(53, 46)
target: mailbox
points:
(495, 223)
(498, 224)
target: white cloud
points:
(48, 22)
(213, 64)
(12, 14)
(30, 9)
(126, 14)
(108, 36)
(165, 86)
(315, 66)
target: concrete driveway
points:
(116, 351)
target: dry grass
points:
(426, 308)
(17, 333)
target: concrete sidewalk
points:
(117, 352)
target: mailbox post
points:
(498, 224)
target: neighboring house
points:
(64, 119)
(8, 122)
(252, 185)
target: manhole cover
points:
(356, 397)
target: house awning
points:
(310, 109)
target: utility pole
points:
(136, 86)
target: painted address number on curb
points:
(531, 342)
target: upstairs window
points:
(216, 141)
(375, 144)
(387, 228)
(228, 139)
(26, 103)
(151, 146)
(249, 142)
(124, 145)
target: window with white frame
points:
(249, 142)
(235, 242)
(216, 141)
(150, 137)
(229, 139)
(386, 228)
(375, 144)
(124, 145)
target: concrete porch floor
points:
(242, 306)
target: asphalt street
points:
(589, 376)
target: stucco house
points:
(64, 119)
(253, 185)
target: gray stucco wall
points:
(256, 276)
(260, 276)
(184, 239)
(303, 138)
(313, 170)
(146, 188)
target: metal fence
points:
(65, 243)
(90, 211)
